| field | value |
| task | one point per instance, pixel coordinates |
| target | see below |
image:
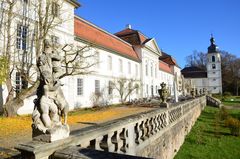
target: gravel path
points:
(232, 107)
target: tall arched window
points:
(213, 58)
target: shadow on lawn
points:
(219, 133)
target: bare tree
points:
(125, 87)
(23, 44)
(197, 59)
(230, 71)
(230, 65)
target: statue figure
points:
(200, 92)
(163, 92)
(50, 105)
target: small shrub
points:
(218, 96)
(223, 113)
(227, 94)
(234, 125)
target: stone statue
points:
(50, 106)
(200, 92)
(163, 92)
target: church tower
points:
(214, 73)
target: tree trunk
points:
(1, 99)
(13, 104)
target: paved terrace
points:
(18, 129)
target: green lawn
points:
(229, 100)
(210, 139)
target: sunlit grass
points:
(210, 139)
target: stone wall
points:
(169, 142)
(155, 134)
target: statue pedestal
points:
(164, 105)
(57, 133)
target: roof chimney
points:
(128, 26)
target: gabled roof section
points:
(152, 44)
(131, 36)
(88, 32)
(168, 59)
(165, 67)
(194, 72)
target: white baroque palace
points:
(128, 54)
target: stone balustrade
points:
(127, 135)
(213, 101)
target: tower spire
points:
(213, 47)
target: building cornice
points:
(75, 3)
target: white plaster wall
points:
(167, 78)
(65, 32)
(151, 59)
(104, 74)
(214, 75)
(200, 83)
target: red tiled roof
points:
(142, 38)
(131, 36)
(86, 31)
(165, 67)
(168, 59)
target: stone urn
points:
(193, 93)
(163, 92)
(204, 91)
(196, 92)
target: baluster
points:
(147, 127)
(115, 138)
(142, 130)
(162, 120)
(92, 144)
(137, 133)
(165, 119)
(145, 130)
(151, 126)
(118, 141)
(104, 143)
(123, 137)
(130, 141)
(170, 116)
(159, 120)
(97, 143)
(155, 124)
(110, 145)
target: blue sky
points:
(179, 26)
